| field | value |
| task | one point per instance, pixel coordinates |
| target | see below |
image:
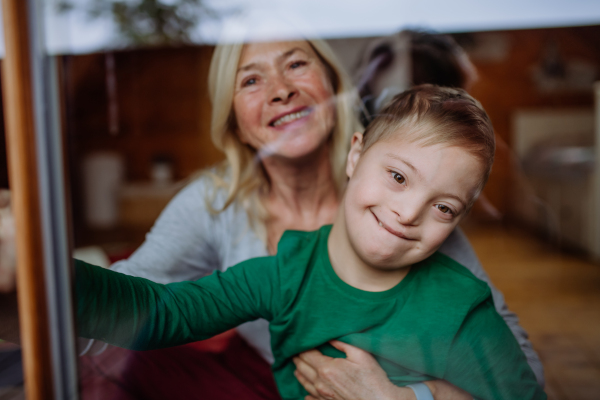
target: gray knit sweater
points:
(187, 242)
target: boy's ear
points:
(355, 152)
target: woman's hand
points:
(356, 377)
(7, 245)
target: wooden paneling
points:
(507, 84)
(162, 108)
(20, 132)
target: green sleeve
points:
(486, 360)
(139, 314)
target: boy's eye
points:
(398, 178)
(444, 209)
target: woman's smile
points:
(283, 88)
(286, 118)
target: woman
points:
(283, 115)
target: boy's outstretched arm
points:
(139, 314)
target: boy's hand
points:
(356, 377)
(7, 245)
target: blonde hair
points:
(241, 175)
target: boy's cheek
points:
(360, 200)
(436, 235)
(366, 193)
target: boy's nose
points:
(408, 215)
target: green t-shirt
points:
(439, 322)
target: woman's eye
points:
(249, 82)
(444, 209)
(297, 64)
(398, 178)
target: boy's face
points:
(404, 199)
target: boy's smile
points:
(394, 232)
(402, 201)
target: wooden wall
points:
(507, 84)
(140, 104)
(162, 105)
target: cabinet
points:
(559, 156)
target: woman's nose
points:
(282, 91)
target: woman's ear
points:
(355, 152)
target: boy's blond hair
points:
(437, 115)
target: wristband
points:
(421, 390)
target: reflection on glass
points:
(146, 22)
(224, 153)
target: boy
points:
(372, 280)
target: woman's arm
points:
(182, 244)
(458, 248)
(363, 378)
(359, 377)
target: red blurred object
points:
(222, 368)
(119, 255)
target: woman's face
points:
(283, 99)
